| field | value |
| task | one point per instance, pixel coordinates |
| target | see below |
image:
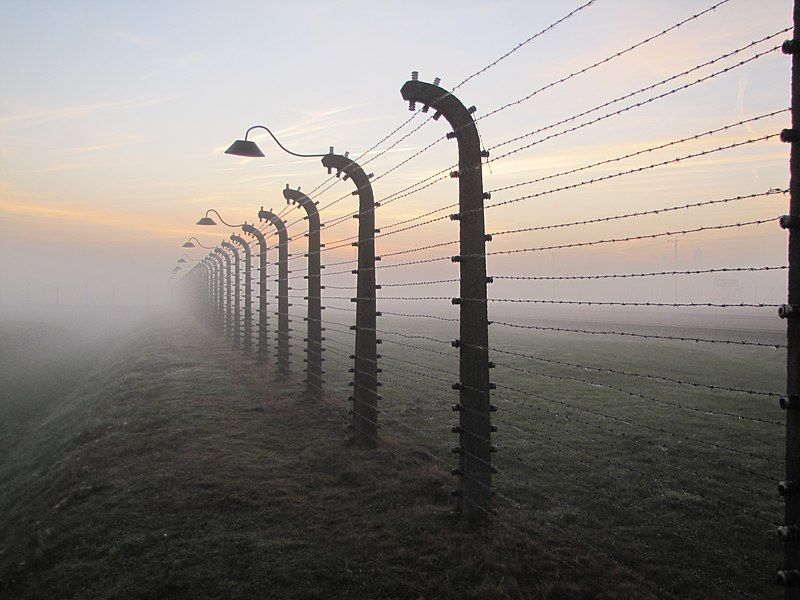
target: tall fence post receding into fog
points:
(219, 290)
(207, 290)
(212, 263)
(789, 576)
(237, 290)
(204, 287)
(283, 289)
(314, 317)
(225, 291)
(474, 427)
(263, 320)
(248, 294)
(365, 381)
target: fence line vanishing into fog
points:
(631, 403)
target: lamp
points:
(250, 149)
(209, 221)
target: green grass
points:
(172, 467)
(664, 483)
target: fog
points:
(87, 273)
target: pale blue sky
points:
(114, 116)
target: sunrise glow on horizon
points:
(114, 123)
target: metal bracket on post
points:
(365, 380)
(314, 315)
(237, 286)
(263, 322)
(474, 428)
(789, 576)
(247, 338)
(283, 289)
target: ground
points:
(155, 462)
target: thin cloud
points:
(136, 40)
(334, 111)
(100, 147)
(740, 96)
(55, 168)
(170, 65)
(84, 110)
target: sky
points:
(114, 118)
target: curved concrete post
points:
(201, 289)
(365, 382)
(263, 342)
(204, 290)
(219, 294)
(209, 262)
(248, 293)
(237, 287)
(225, 289)
(475, 449)
(314, 316)
(211, 300)
(283, 289)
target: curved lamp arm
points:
(250, 149)
(206, 221)
(284, 148)
(199, 243)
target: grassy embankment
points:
(154, 463)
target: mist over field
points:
(400, 300)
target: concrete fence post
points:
(248, 293)
(263, 317)
(314, 316)
(283, 289)
(225, 292)
(237, 290)
(474, 427)
(365, 382)
(789, 532)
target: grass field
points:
(676, 482)
(143, 459)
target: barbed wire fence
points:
(633, 405)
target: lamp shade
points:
(188, 244)
(206, 221)
(245, 148)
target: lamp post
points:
(215, 262)
(314, 316)
(232, 330)
(188, 244)
(225, 291)
(248, 294)
(193, 287)
(365, 393)
(263, 346)
(236, 323)
(283, 289)
(211, 265)
(206, 220)
(474, 410)
(201, 291)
